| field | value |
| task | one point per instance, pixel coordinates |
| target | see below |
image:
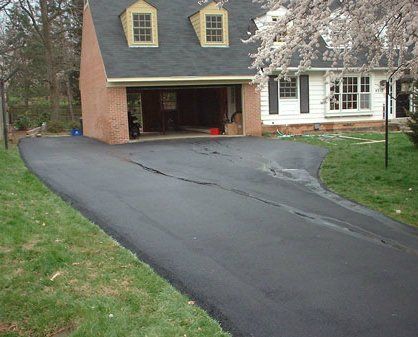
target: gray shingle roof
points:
(179, 52)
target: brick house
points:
(157, 66)
(168, 65)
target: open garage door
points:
(183, 109)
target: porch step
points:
(400, 124)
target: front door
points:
(402, 102)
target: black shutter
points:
(304, 93)
(273, 96)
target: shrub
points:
(74, 125)
(22, 123)
(413, 117)
(413, 126)
(55, 127)
(41, 117)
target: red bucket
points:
(214, 131)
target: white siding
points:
(289, 110)
(262, 20)
(379, 98)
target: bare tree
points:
(41, 22)
(43, 38)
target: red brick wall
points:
(299, 129)
(118, 110)
(251, 110)
(104, 110)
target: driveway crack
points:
(331, 223)
(153, 170)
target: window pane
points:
(349, 98)
(335, 103)
(142, 27)
(364, 101)
(335, 98)
(365, 84)
(288, 88)
(169, 100)
(214, 28)
(349, 84)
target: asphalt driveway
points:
(243, 226)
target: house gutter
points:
(356, 69)
(176, 81)
(196, 80)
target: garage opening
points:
(184, 110)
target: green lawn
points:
(60, 275)
(357, 172)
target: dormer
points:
(211, 25)
(140, 24)
(270, 18)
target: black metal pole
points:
(3, 109)
(387, 126)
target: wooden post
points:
(162, 112)
(387, 126)
(4, 115)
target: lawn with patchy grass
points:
(357, 172)
(60, 275)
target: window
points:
(335, 100)
(169, 100)
(288, 88)
(279, 37)
(211, 25)
(142, 27)
(214, 28)
(351, 93)
(365, 93)
(140, 24)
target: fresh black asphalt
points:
(243, 226)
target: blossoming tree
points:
(359, 34)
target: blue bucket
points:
(76, 132)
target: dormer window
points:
(214, 28)
(279, 37)
(139, 22)
(142, 27)
(211, 25)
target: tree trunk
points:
(69, 96)
(26, 94)
(50, 60)
(4, 114)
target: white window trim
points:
(290, 98)
(215, 43)
(143, 43)
(350, 112)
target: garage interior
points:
(215, 110)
